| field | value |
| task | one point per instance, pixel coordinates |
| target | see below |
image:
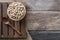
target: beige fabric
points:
(28, 37)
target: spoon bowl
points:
(6, 21)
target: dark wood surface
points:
(45, 35)
(23, 26)
(4, 11)
(0, 19)
(5, 30)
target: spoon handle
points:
(15, 29)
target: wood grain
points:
(4, 15)
(52, 5)
(10, 30)
(23, 28)
(17, 28)
(0, 20)
(43, 20)
(6, 31)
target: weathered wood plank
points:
(43, 20)
(7, 31)
(4, 15)
(0, 20)
(10, 30)
(17, 28)
(45, 35)
(23, 28)
(41, 4)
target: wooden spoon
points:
(6, 21)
